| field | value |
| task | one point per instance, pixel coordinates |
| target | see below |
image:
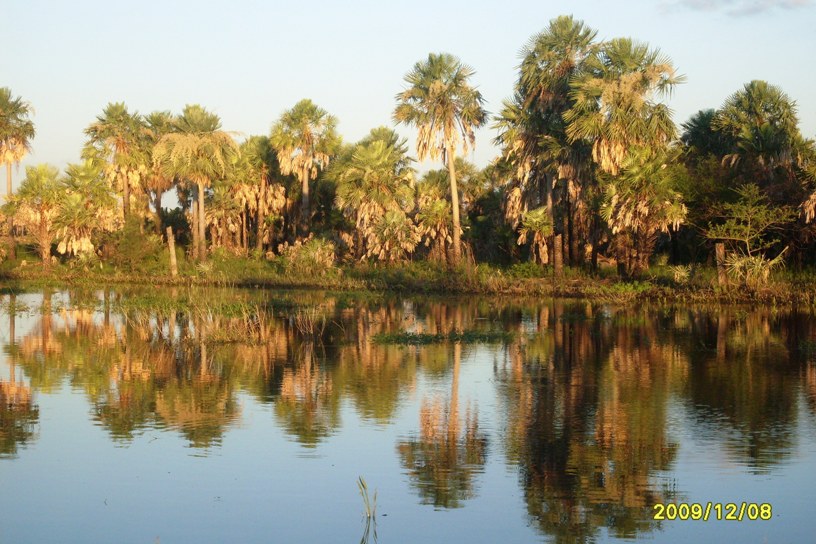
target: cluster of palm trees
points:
(591, 164)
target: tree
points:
(16, 133)
(747, 227)
(117, 136)
(536, 226)
(434, 216)
(375, 179)
(305, 138)
(533, 129)
(700, 137)
(446, 110)
(266, 199)
(199, 151)
(761, 123)
(616, 110)
(615, 102)
(36, 205)
(752, 139)
(87, 207)
(642, 201)
(158, 123)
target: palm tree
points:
(305, 138)
(36, 205)
(373, 179)
(159, 123)
(532, 129)
(199, 151)
(87, 207)
(615, 106)
(760, 124)
(642, 201)
(117, 136)
(536, 226)
(16, 133)
(446, 110)
(257, 191)
(700, 138)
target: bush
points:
(313, 256)
(132, 250)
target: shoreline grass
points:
(785, 287)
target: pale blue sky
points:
(250, 60)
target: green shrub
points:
(133, 250)
(313, 256)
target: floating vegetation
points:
(464, 337)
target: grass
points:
(660, 283)
(464, 337)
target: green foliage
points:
(749, 224)
(463, 337)
(313, 257)
(752, 271)
(442, 104)
(16, 129)
(395, 237)
(528, 270)
(536, 227)
(135, 251)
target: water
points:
(188, 425)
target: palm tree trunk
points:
(457, 242)
(12, 247)
(45, 244)
(548, 196)
(125, 194)
(171, 245)
(202, 224)
(194, 228)
(244, 241)
(157, 204)
(304, 202)
(261, 201)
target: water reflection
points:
(443, 460)
(18, 413)
(586, 393)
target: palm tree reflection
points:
(443, 460)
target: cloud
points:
(740, 7)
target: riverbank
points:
(660, 283)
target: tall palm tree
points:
(117, 136)
(305, 138)
(446, 110)
(16, 133)
(615, 102)
(260, 195)
(158, 124)
(199, 151)
(532, 129)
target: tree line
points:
(592, 168)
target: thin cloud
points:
(740, 7)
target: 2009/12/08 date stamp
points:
(730, 511)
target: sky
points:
(248, 61)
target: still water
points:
(240, 416)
